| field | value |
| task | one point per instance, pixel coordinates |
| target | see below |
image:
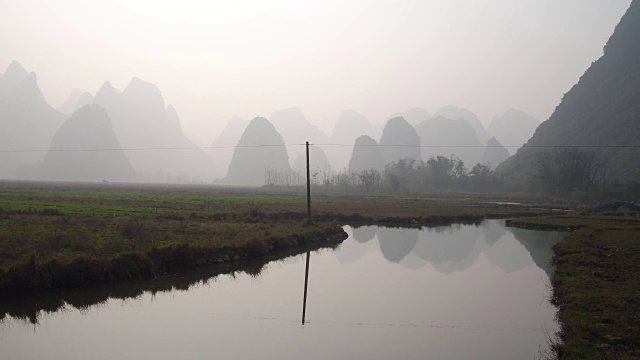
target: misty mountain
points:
(296, 129)
(12, 78)
(88, 128)
(399, 141)
(27, 122)
(223, 145)
(413, 116)
(513, 128)
(84, 99)
(366, 155)
(69, 106)
(454, 112)
(494, 153)
(348, 128)
(601, 110)
(249, 164)
(448, 136)
(141, 120)
(320, 167)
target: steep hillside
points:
(494, 154)
(222, 147)
(296, 129)
(513, 128)
(27, 122)
(88, 128)
(453, 112)
(602, 111)
(414, 116)
(399, 141)
(448, 137)
(348, 128)
(69, 106)
(260, 149)
(366, 155)
(141, 120)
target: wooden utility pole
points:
(308, 188)
(306, 281)
(306, 272)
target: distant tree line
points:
(439, 172)
(570, 173)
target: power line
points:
(340, 145)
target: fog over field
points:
(214, 60)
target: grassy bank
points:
(596, 285)
(70, 235)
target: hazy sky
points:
(216, 59)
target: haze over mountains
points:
(150, 134)
(27, 122)
(148, 144)
(260, 149)
(89, 127)
(296, 129)
(223, 146)
(141, 120)
(513, 128)
(349, 126)
(399, 141)
(453, 112)
(449, 137)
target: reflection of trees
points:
(363, 234)
(395, 244)
(539, 244)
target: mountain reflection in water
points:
(454, 248)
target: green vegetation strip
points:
(596, 285)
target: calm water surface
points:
(451, 292)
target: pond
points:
(449, 292)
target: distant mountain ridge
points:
(366, 155)
(445, 137)
(260, 149)
(349, 126)
(27, 122)
(414, 116)
(294, 127)
(399, 141)
(222, 147)
(453, 112)
(88, 128)
(513, 128)
(141, 119)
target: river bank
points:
(596, 285)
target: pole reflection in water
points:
(306, 281)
